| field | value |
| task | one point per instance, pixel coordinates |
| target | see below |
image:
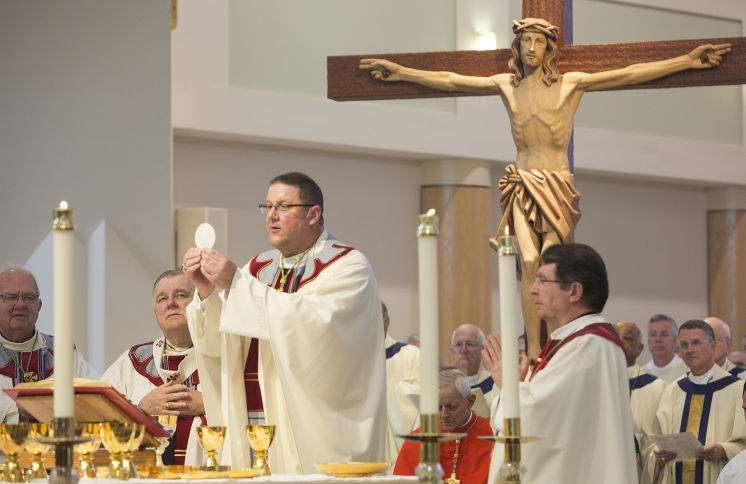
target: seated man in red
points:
(465, 460)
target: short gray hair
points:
(480, 333)
(664, 317)
(457, 379)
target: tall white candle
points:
(427, 261)
(509, 324)
(63, 311)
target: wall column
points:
(726, 259)
(461, 193)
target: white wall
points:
(85, 116)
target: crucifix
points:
(546, 79)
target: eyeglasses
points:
(469, 345)
(540, 281)
(694, 344)
(264, 207)
(28, 297)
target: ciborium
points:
(118, 437)
(168, 422)
(37, 450)
(12, 440)
(92, 431)
(211, 439)
(260, 438)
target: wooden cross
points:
(345, 82)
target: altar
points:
(287, 479)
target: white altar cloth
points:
(288, 479)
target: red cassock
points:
(474, 454)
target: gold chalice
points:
(12, 440)
(260, 438)
(116, 437)
(127, 463)
(211, 439)
(168, 422)
(90, 430)
(37, 449)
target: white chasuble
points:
(675, 369)
(578, 402)
(484, 388)
(321, 356)
(712, 412)
(402, 378)
(734, 370)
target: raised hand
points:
(709, 55)
(491, 352)
(382, 69)
(191, 265)
(217, 268)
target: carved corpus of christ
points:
(538, 197)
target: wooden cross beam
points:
(345, 82)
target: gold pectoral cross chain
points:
(453, 479)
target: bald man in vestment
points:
(722, 346)
(707, 403)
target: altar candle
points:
(63, 310)
(427, 261)
(509, 324)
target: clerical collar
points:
(27, 345)
(172, 349)
(466, 427)
(315, 248)
(703, 379)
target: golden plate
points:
(244, 473)
(221, 472)
(353, 469)
(164, 472)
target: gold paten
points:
(353, 469)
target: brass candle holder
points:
(429, 469)
(62, 437)
(511, 469)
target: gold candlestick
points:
(510, 470)
(429, 469)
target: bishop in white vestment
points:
(577, 396)
(313, 304)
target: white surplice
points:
(579, 403)
(321, 359)
(402, 378)
(675, 369)
(645, 394)
(719, 394)
(483, 386)
(734, 471)
(734, 370)
(123, 376)
(42, 345)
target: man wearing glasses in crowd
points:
(466, 347)
(313, 304)
(26, 354)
